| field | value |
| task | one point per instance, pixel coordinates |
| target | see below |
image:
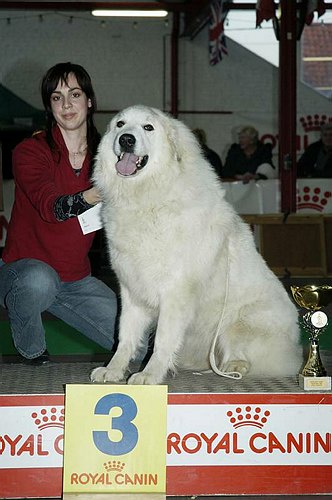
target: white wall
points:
(130, 64)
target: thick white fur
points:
(184, 260)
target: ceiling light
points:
(317, 59)
(129, 13)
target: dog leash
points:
(212, 357)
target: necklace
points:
(76, 159)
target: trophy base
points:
(314, 383)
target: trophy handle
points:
(314, 366)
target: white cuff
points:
(267, 170)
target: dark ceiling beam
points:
(89, 5)
(196, 12)
(193, 7)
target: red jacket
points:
(40, 178)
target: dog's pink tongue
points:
(127, 164)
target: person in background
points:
(45, 264)
(249, 159)
(316, 161)
(211, 156)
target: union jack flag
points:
(217, 39)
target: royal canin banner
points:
(233, 444)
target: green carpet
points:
(60, 339)
(63, 339)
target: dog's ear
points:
(180, 138)
(177, 134)
(173, 140)
(112, 123)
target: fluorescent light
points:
(318, 59)
(129, 13)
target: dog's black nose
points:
(127, 142)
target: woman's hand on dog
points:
(92, 196)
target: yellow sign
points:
(115, 439)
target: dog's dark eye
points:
(120, 124)
(148, 127)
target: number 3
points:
(123, 423)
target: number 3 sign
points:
(115, 439)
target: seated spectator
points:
(316, 161)
(250, 159)
(211, 156)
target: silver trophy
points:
(315, 321)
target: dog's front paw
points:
(142, 378)
(102, 375)
(237, 365)
(97, 375)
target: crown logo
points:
(313, 123)
(248, 416)
(115, 465)
(49, 417)
(312, 198)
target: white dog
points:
(186, 262)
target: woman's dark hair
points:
(60, 73)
